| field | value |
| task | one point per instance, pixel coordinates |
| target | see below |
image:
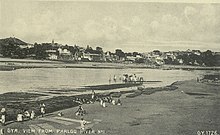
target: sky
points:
(127, 25)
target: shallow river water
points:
(69, 78)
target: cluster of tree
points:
(204, 59)
(98, 50)
(124, 55)
(121, 54)
(40, 50)
(10, 47)
(14, 51)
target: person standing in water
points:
(135, 78)
(115, 78)
(110, 80)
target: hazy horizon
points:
(130, 26)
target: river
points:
(70, 78)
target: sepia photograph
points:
(114, 67)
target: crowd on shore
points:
(96, 98)
(28, 114)
(126, 78)
(22, 114)
(103, 101)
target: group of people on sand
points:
(109, 100)
(133, 78)
(126, 78)
(114, 79)
(23, 115)
(103, 100)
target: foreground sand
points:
(191, 108)
(168, 112)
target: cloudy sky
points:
(131, 26)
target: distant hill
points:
(12, 40)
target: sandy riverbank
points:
(12, 64)
(7, 64)
(190, 108)
(165, 112)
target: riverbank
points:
(56, 100)
(189, 107)
(165, 112)
(7, 64)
